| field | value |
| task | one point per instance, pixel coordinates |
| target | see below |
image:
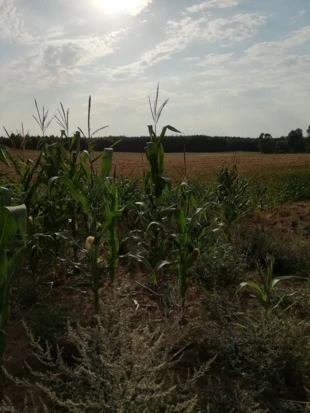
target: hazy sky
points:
(229, 67)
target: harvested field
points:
(201, 164)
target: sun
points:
(132, 7)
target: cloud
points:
(215, 59)
(133, 8)
(270, 52)
(191, 59)
(211, 4)
(12, 24)
(297, 16)
(275, 71)
(59, 61)
(187, 31)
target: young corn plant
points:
(154, 216)
(187, 237)
(90, 135)
(231, 197)
(25, 176)
(266, 289)
(187, 254)
(101, 207)
(12, 220)
(42, 119)
(62, 118)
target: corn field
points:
(62, 215)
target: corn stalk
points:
(12, 220)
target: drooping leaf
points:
(8, 227)
(3, 158)
(15, 266)
(5, 197)
(77, 196)
(19, 214)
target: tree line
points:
(294, 142)
(265, 143)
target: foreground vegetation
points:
(147, 295)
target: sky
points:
(228, 67)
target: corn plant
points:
(12, 220)
(100, 205)
(155, 110)
(187, 237)
(42, 119)
(90, 135)
(25, 176)
(153, 215)
(231, 196)
(187, 255)
(266, 288)
(62, 118)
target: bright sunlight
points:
(132, 7)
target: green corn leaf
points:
(77, 196)
(240, 326)
(3, 158)
(148, 265)
(116, 143)
(20, 216)
(8, 227)
(284, 278)
(33, 171)
(171, 128)
(151, 132)
(161, 156)
(5, 197)
(84, 166)
(164, 130)
(154, 224)
(51, 182)
(180, 218)
(162, 264)
(106, 166)
(94, 159)
(252, 285)
(15, 266)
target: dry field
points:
(201, 164)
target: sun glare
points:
(121, 6)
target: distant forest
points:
(294, 142)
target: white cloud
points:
(298, 37)
(12, 24)
(187, 31)
(191, 59)
(299, 14)
(269, 71)
(270, 52)
(133, 7)
(59, 61)
(215, 59)
(211, 4)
